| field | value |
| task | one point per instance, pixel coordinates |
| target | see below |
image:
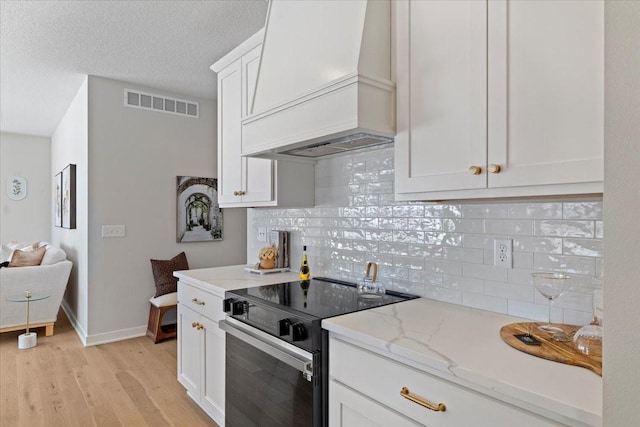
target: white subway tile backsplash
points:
(522, 260)
(443, 211)
(452, 296)
(463, 225)
(568, 264)
(424, 224)
(511, 227)
(444, 267)
(408, 236)
(583, 247)
(582, 210)
(464, 284)
(509, 291)
(442, 251)
(485, 302)
(485, 272)
(535, 210)
(574, 317)
(565, 228)
(537, 244)
(485, 211)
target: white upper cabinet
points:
(245, 181)
(499, 98)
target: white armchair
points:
(50, 278)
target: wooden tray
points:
(563, 352)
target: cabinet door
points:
(189, 351)
(348, 408)
(213, 376)
(545, 92)
(230, 162)
(258, 173)
(441, 63)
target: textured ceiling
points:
(46, 47)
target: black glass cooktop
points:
(319, 297)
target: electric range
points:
(277, 352)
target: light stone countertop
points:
(217, 280)
(457, 343)
(463, 345)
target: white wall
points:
(29, 219)
(134, 158)
(621, 370)
(69, 144)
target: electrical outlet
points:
(503, 253)
(262, 234)
(113, 231)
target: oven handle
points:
(272, 346)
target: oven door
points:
(269, 382)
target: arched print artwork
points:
(199, 217)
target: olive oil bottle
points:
(305, 272)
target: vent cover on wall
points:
(149, 101)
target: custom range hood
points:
(324, 82)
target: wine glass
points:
(551, 286)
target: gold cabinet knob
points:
(492, 168)
(475, 170)
(236, 193)
(194, 324)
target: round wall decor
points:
(16, 188)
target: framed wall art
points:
(198, 216)
(69, 196)
(57, 203)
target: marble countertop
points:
(463, 345)
(217, 280)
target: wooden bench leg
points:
(155, 330)
(48, 331)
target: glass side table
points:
(28, 339)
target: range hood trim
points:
(380, 122)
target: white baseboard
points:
(119, 335)
(82, 334)
(105, 337)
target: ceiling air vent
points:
(150, 101)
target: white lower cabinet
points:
(201, 349)
(365, 390)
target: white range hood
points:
(324, 84)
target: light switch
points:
(113, 231)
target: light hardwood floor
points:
(61, 383)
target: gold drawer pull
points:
(407, 395)
(196, 301)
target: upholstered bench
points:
(159, 306)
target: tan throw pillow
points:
(163, 273)
(21, 258)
